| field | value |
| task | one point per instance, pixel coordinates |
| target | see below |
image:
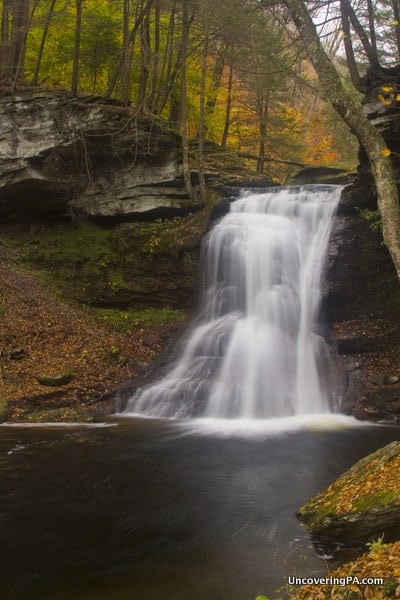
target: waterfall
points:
(258, 350)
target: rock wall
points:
(86, 156)
(363, 311)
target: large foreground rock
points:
(364, 502)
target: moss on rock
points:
(55, 380)
(364, 501)
(58, 415)
(4, 410)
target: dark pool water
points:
(151, 510)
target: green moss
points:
(67, 245)
(133, 265)
(57, 415)
(373, 218)
(4, 410)
(117, 281)
(127, 320)
(319, 508)
(390, 587)
(376, 499)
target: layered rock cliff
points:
(86, 156)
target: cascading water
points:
(258, 351)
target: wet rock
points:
(363, 503)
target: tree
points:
(145, 58)
(77, 45)
(127, 55)
(14, 28)
(371, 140)
(45, 32)
(186, 22)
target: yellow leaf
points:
(385, 152)
(387, 88)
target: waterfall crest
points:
(258, 351)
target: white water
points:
(258, 351)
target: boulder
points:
(363, 503)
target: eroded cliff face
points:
(86, 156)
(363, 312)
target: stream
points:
(150, 509)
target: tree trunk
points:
(183, 115)
(348, 46)
(127, 54)
(15, 25)
(120, 63)
(263, 116)
(202, 125)
(216, 84)
(156, 56)
(20, 26)
(396, 14)
(5, 38)
(368, 136)
(370, 50)
(372, 32)
(144, 59)
(166, 67)
(228, 109)
(25, 24)
(49, 15)
(77, 46)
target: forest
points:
(231, 72)
(199, 299)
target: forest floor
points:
(381, 561)
(43, 337)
